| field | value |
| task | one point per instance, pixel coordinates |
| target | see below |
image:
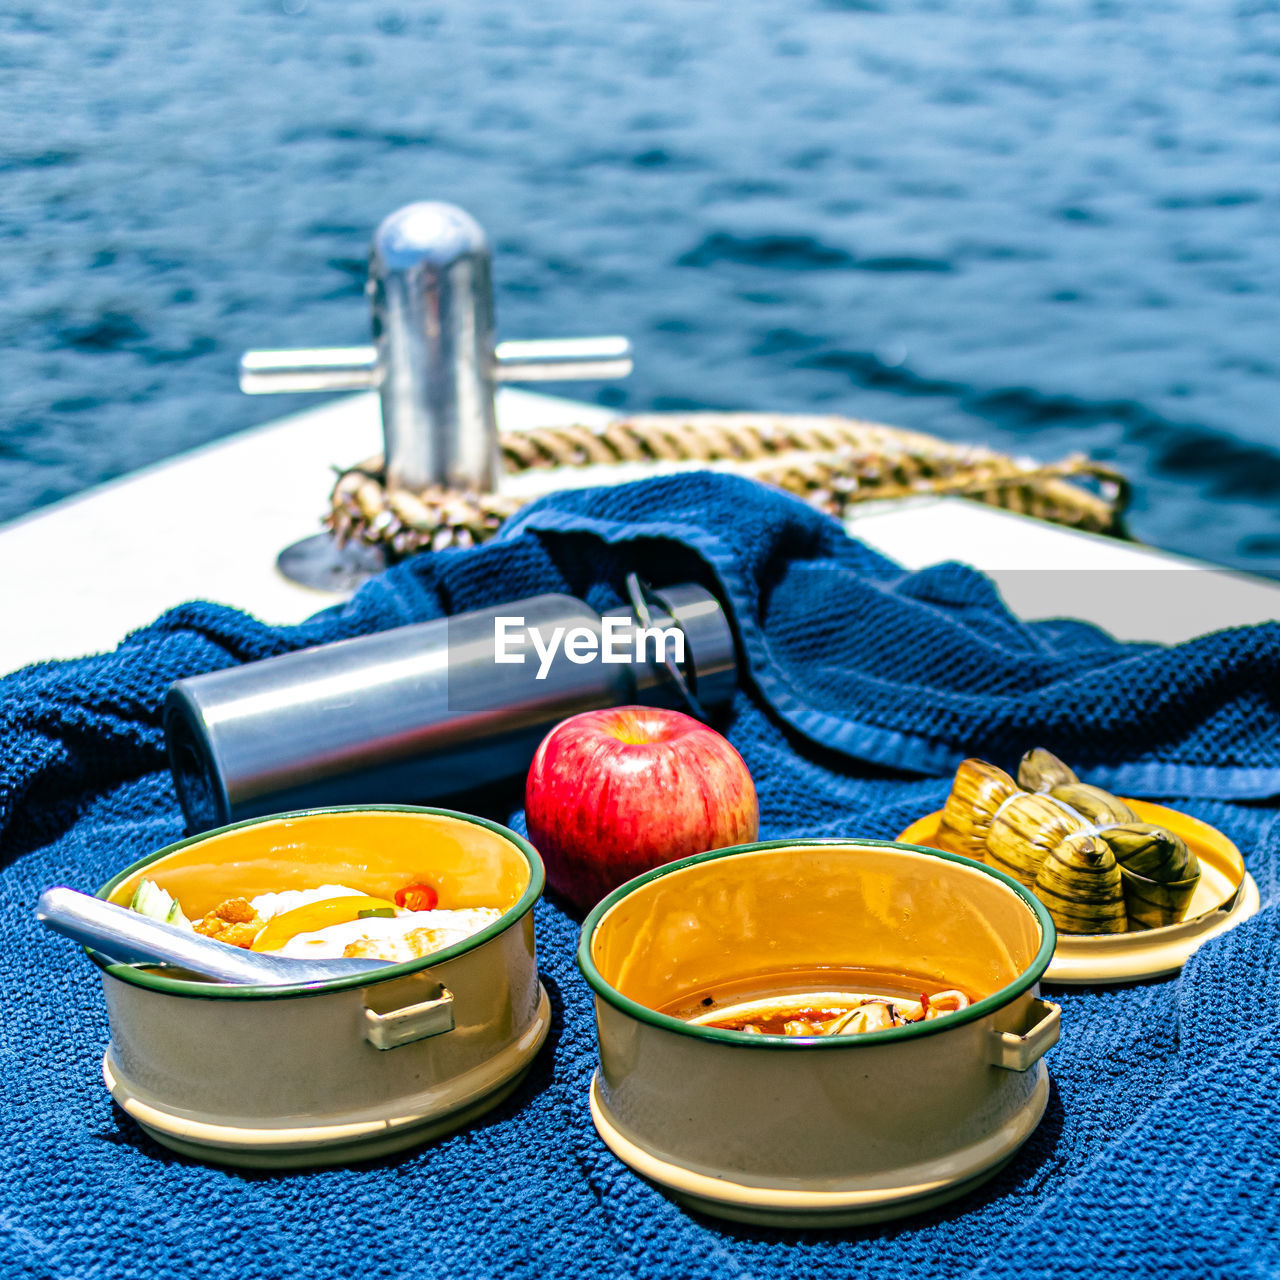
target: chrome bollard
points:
(435, 365)
(433, 357)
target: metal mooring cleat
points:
(434, 362)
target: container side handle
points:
(1021, 1052)
(413, 1022)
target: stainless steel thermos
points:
(423, 712)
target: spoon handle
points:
(132, 938)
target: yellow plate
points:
(1225, 896)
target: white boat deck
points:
(76, 577)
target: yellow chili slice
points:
(313, 916)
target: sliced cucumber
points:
(147, 897)
(150, 900)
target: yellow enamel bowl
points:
(820, 1130)
(1225, 897)
(347, 1068)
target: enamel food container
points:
(346, 1068)
(819, 1129)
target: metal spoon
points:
(131, 938)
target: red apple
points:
(616, 792)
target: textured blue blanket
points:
(1160, 1152)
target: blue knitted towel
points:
(1160, 1150)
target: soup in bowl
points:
(819, 1031)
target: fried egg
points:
(274, 904)
(408, 935)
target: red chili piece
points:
(417, 897)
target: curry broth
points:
(815, 995)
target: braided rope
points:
(831, 462)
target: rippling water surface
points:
(1045, 226)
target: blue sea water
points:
(1048, 226)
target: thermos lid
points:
(711, 665)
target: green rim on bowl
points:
(214, 991)
(979, 1009)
